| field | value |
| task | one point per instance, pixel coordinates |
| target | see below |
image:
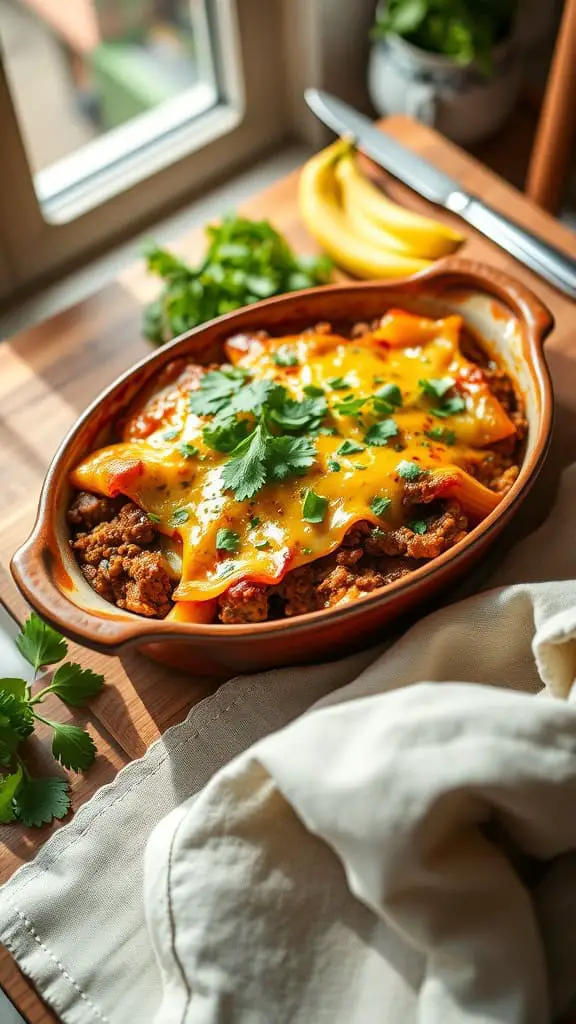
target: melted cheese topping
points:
(185, 497)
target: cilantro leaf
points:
(39, 801)
(180, 516)
(409, 470)
(450, 407)
(294, 416)
(350, 406)
(153, 517)
(436, 387)
(313, 391)
(333, 466)
(289, 456)
(380, 506)
(187, 451)
(8, 788)
(17, 687)
(254, 396)
(390, 393)
(16, 714)
(442, 434)
(172, 434)
(254, 522)
(381, 407)
(215, 391)
(418, 526)
(227, 540)
(263, 457)
(349, 448)
(225, 435)
(338, 383)
(261, 545)
(380, 433)
(285, 356)
(39, 643)
(72, 746)
(314, 507)
(245, 472)
(74, 684)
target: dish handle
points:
(517, 296)
(38, 571)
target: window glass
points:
(96, 81)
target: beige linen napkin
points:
(74, 917)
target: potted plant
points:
(449, 63)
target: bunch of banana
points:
(362, 230)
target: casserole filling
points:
(305, 471)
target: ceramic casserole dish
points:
(511, 323)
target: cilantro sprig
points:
(37, 801)
(246, 261)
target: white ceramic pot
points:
(461, 102)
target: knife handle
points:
(547, 261)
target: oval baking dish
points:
(512, 324)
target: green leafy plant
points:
(36, 801)
(246, 261)
(464, 30)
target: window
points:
(103, 87)
(115, 111)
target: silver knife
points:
(439, 188)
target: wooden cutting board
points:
(50, 373)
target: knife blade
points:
(442, 190)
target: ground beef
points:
(89, 510)
(443, 529)
(115, 558)
(244, 602)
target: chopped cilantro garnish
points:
(306, 551)
(261, 458)
(225, 435)
(436, 387)
(350, 406)
(390, 393)
(262, 545)
(254, 522)
(349, 448)
(215, 390)
(169, 435)
(381, 407)
(285, 357)
(188, 451)
(333, 465)
(328, 431)
(180, 516)
(338, 383)
(295, 416)
(409, 470)
(450, 407)
(441, 434)
(312, 391)
(153, 517)
(227, 540)
(314, 507)
(379, 433)
(418, 526)
(380, 506)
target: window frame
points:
(245, 122)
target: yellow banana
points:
(427, 237)
(322, 213)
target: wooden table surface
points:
(50, 373)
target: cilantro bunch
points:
(246, 261)
(36, 801)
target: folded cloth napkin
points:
(366, 863)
